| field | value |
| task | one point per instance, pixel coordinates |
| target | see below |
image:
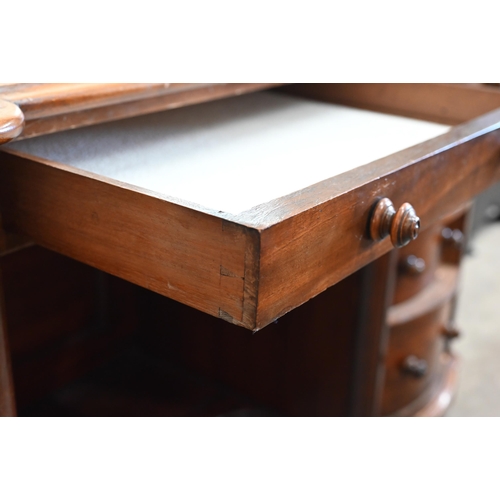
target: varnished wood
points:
(7, 399)
(440, 290)
(253, 267)
(419, 337)
(319, 233)
(52, 107)
(371, 335)
(301, 365)
(198, 259)
(435, 401)
(402, 224)
(426, 247)
(11, 121)
(440, 102)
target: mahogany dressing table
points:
(286, 210)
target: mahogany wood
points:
(62, 318)
(440, 102)
(7, 399)
(299, 365)
(371, 335)
(437, 398)
(420, 337)
(52, 107)
(314, 238)
(427, 247)
(193, 257)
(260, 264)
(440, 290)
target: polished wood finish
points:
(372, 335)
(7, 399)
(11, 121)
(427, 249)
(193, 257)
(338, 354)
(402, 225)
(439, 102)
(52, 107)
(439, 291)
(418, 338)
(434, 401)
(252, 268)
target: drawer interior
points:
(231, 155)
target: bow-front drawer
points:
(247, 207)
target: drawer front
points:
(417, 264)
(413, 358)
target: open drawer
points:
(243, 208)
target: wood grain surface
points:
(315, 237)
(252, 268)
(435, 401)
(449, 103)
(52, 107)
(7, 399)
(193, 257)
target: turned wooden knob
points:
(450, 331)
(11, 121)
(414, 366)
(453, 237)
(403, 225)
(412, 265)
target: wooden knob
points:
(11, 121)
(450, 331)
(414, 366)
(412, 265)
(453, 237)
(403, 225)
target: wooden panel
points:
(426, 247)
(371, 335)
(420, 337)
(314, 238)
(264, 262)
(47, 296)
(62, 319)
(438, 292)
(51, 107)
(434, 401)
(7, 399)
(198, 259)
(300, 365)
(441, 102)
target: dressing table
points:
(297, 244)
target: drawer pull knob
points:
(402, 225)
(413, 265)
(414, 366)
(453, 237)
(450, 332)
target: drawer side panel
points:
(189, 256)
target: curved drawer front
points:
(413, 358)
(278, 237)
(417, 264)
